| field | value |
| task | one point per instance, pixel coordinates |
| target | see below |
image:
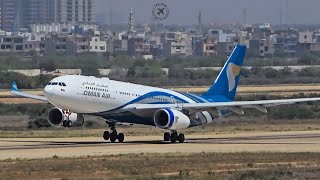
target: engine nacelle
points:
(171, 119)
(56, 117)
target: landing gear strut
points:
(66, 122)
(173, 137)
(113, 134)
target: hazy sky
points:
(215, 11)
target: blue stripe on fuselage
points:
(148, 96)
(196, 98)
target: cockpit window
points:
(57, 83)
(62, 84)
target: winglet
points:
(14, 87)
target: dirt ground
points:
(168, 166)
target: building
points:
(138, 46)
(15, 44)
(210, 46)
(266, 47)
(197, 45)
(177, 43)
(16, 14)
(0, 13)
(97, 44)
(11, 14)
(121, 43)
(38, 12)
(306, 37)
(64, 43)
(74, 11)
(63, 28)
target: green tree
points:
(90, 71)
(307, 59)
(47, 65)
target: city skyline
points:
(213, 11)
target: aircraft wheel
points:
(69, 123)
(174, 137)
(106, 135)
(166, 136)
(120, 137)
(181, 138)
(65, 123)
(113, 136)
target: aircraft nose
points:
(48, 91)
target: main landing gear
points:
(173, 137)
(113, 134)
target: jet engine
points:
(56, 117)
(171, 119)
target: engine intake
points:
(171, 119)
(56, 117)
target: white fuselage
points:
(83, 94)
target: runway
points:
(33, 148)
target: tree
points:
(90, 71)
(307, 59)
(47, 65)
(38, 123)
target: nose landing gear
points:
(66, 122)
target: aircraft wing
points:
(15, 91)
(235, 106)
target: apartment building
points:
(17, 14)
(38, 12)
(9, 10)
(74, 11)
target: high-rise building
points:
(74, 11)
(0, 14)
(16, 14)
(11, 14)
(38, 12)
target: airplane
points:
(121, 102)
